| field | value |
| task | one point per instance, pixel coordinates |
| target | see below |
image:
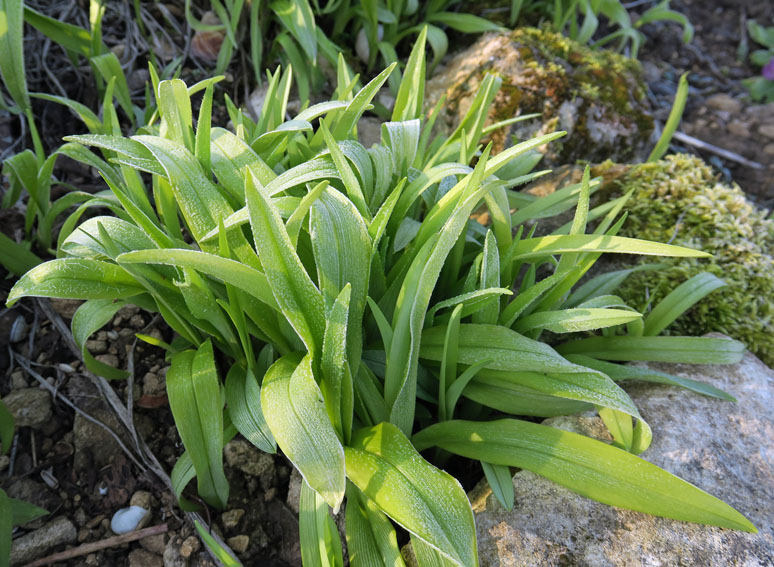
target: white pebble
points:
(127, 519)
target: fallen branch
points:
(702, 145)
(87, 548)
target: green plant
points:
(762, 87)
(353, 300)
(580, 19)
(680, 199)
(33, 171)
(301, 33)
(13, 512)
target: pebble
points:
(769, 149)
(5, 460)
(30, 407)
(109, 359)
(767, 130)
(144, 558)
(739, 128)
(239, 543)
(155, 543)
(725, 103)
(18, 381)
(128, 519)
(231, 518)
(95, 346)
(190, 546)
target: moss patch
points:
(679, 197)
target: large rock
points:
(38, 543)
(598, 97)
(31, 407)
(725, 448)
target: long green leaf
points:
(243, 396)
(197, 406)
(297, 296)
(590, 468)
(75, 278)
(426, 501)
(294, 409)
(320, 541)
(545, 246)
(680, 300)
(12, 48)
(690, 350)
(371, 539)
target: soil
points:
(76, 470)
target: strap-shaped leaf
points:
(589, 467)
(75, 278)
(690, 350)
(229, 271)
(243, 396)
(336, 383)
(197, 406)
(545, 246)
(426, 501)
(297, 296)
(320, 541)
(12, 47)
(371, 539)
(408, 102)
(679, 301)
(294, 409)
(501, 482)
(342, 251)
(575, 320)
(6, 528)
(619, 372)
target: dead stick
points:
(702, 145)
(87, 548)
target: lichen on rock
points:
(680, 200)
(597, 96)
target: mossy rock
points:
(597, 96)
(680, 200)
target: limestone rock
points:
(598, 97)
(38, 543)
(722, 447)
(242, 455)
(31, 407)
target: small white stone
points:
(127, 519)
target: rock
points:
(153, 384)
(598, 97)
(722, 447)
(190, 546)
(231, 518)
(38, 543)
(769, 149)
(739, 128)
(369, 131)
(725, 103)
(88, 436)
(66, 308)
(239, 543)
(31, 407)
(767, 130)
(18, 381)
(294, 490)
(5, 460)
(109, 359)
(144, 558)
(172, 556)
(155, 543)
(242, 455)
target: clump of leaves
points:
(761, 87)
(305, 33)
(580, 20)
(363, 316)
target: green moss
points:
(680, 200)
